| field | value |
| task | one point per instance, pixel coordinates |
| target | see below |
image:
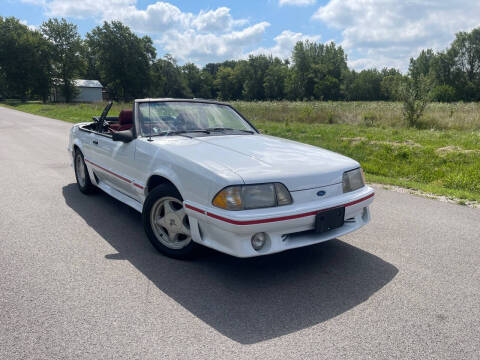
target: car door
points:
(113, 162)
(86, 136)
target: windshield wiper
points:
(229, 129)
(205, 131)
(180, 132)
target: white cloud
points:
(31, 27)
(218, 20)
(284, 44)
(378, 62)
(201, 48)
(389, 32)
(296, 2)
(156, 18)
(213, 35)
(86, 8)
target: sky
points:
(374, 33)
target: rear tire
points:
(81, 174)
(166, 223)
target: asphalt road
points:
(79, 279)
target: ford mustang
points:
(202, 174)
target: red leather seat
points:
(125, 121)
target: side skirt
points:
(120, 196)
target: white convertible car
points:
(201, 174)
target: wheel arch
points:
(77, 145)
(158, 179)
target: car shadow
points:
(247, 300)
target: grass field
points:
(438, 116)
(443, 158)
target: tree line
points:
(33, 61)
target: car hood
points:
(261, 158)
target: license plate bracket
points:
(329, 220)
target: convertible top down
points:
(201, 174)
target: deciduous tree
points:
(25, 70)
(122, 59)
(66, 46)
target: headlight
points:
(245, 197)
(353, 180)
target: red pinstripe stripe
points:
(119, 176)
(359, 200)
(282, 218)
(110, 172)
(194, 208)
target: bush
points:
(415, 94)
(443, 93)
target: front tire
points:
(81, 174)
(166, 223)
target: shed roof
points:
(87, 83)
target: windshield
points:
(163, 118)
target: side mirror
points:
(125, 136)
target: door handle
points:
(95, 142)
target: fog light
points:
(258, 240)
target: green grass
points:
(443, 160)
(439, 116)
(404, 157)
(68, 112)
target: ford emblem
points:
(321, 193)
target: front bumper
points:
(287, 227)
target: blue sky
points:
(374, 33)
